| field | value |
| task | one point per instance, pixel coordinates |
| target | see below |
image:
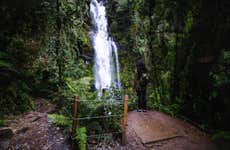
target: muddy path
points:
(149, 130)
(33, 131)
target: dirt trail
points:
(33, 131)
(149, 130)
(153, 130)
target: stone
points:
(22, 130)
(6, 132)
(4, 145)
(150, 129)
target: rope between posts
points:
(104, 134)
(97, 117)
(98, 101)
(108, 102)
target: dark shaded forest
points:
(46, 52)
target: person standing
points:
(140, 85)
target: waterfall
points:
(114, 46)
(105, 49)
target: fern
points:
(81, 137)
(222, 135)
(2, 122)
(4, 64)
(60, 120)
(3, 60)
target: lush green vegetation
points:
(45, 51)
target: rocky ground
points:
(149, 130)
(33, 131)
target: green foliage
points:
(2, 122)
(105, 108)
(175, 39)
(157, 103)
(81, 87)
(3, 62)
(81, 134)
(81, 137)
(189, 23)
(60, 120)
(94, 127)
(29, 61)
(19, 49)
(184, 44)
(221, 135)
(14, 89)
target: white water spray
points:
(104, 48)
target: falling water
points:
(105, 49)
(114, 46)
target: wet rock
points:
(6, 132)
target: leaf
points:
(81, 137)
(59, 119)
(5, 64)
(221, 135)
(3, 54)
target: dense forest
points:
(46, 52)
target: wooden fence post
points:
(74, 123)
(125, 120)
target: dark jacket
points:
(141, 78)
